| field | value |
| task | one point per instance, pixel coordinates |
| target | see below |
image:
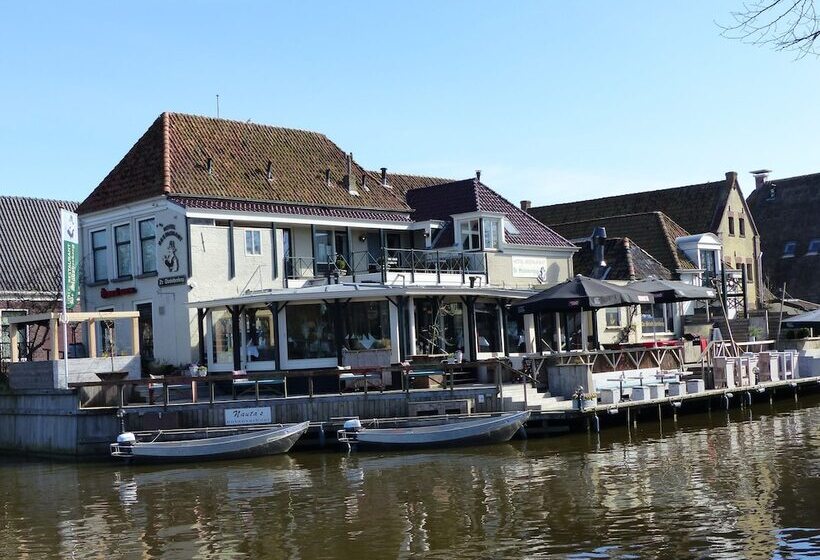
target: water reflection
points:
(721, 486)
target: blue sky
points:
(552, 101)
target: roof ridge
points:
(598, 218)
(630, 262)
(248, 122)
(669, 242)
(166, 152)
(38, 199)
(289, 203)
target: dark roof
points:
(697, 208)
(654, 232)
(441, 202)
(30, 258)
(172, 158)
(788, 210)
(403, 182)
(625, 260)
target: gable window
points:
(148, 246)
(741, 227)
(122, 240)
(731, 225)
(789, 249)
(814, 247)
(253, 242)
(99, 249)
(491, 233)
(470, 240)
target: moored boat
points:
(454, 432)
(208, 443)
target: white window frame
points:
(116, 251)
(789, 249)
(668, 313)
(257, 233)
(617, 311)
(104, 252)
(151, 240)
(469, 234)
(487, 226)
(814, 247)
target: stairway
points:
(513, 397)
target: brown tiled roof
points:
(440, 202)
(172, 158)
(786, 210)
(624, 258)
(30, 245)
(654, 232)
(697, 208)
(403, 182)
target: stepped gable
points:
(788, 210)
(31, 254)
(696, 208)
(191, 157)
(653, 232)
(441, 202)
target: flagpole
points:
(64, 318)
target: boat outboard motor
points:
(127, 438)
(352, 426)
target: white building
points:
(260, 248)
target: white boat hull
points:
(169, 446)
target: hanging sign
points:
(71, 239)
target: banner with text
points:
(71, 273)
(172, 251)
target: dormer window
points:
(491, 233)
(814, 247)
(789, 249)
(470, 235)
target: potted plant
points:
(341, 265)
(755, 332)
(583, 400)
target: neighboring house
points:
(787, 213)
(254, 247)
(30, 270)
(716, 208)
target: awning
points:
(667, 291)
(582, 293)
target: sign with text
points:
(242, 416)
(530, 267)
(172, 253)
(71, 273)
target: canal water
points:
(738, 484)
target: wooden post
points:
(53, 327)
(15, 343)
(135, 336)
(92, 338)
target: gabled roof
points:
(441, 202)
(173, 156)
(30, 244)
(625, 260)
(697, 208)
(654, 232)
(787, 210)
(403, 182)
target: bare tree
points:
(785, 25)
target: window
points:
(310, 331)
(490, 233)
(122, 240)
(470, 240)
(323, 250)
(731, 225)
(99, 249)
(657, 318)
(145, 323)
(253, 242)
(516, 335)
(487, 327)
(741, 227)
(708, 262)
(148, 246)
(789, 249)
(259, 343)
(814, 247)
(5, 336)
(750, 274)
(613, 317)
(367, 325)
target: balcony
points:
(391, 266)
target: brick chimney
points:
(526, 205)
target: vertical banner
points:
(172, 251)
(70, 239)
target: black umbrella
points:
(667, 291)
(582, 293)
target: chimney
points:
(384, 178)
(327, 177)
(351, 182)
(761, 175)
(598, 238)
(364, 182)
(478, 175)
(210, 165)
(526, 205)
(731, 177)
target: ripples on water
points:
(719, 487)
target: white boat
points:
(453, 432)
(207, 443)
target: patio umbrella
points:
(667, 291)
(810, 320)
(582, 293)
